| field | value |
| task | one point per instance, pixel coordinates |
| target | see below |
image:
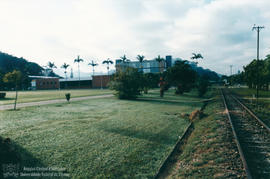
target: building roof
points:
(76, 79)
(43, 77)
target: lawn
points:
(101, 137)
(43, 95)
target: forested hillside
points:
(8, 63)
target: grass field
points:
(43, 95)
(102, 137)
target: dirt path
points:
(21, 105)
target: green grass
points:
(43, 95)
(100, 138)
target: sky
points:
(60, 30)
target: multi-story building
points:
(147, 66)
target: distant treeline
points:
(256, 73)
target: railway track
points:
(252, 137)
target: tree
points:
(149, 80)
(15, 79)
(1, 81)
(256, 74)
(125, 60)
(141, 58)
(196, 57)
(108, 62)
(127, 84)
(65, 66)
(50, 66)
(93, 64)
(159, 60)
(78, 60)
(182, 76)
(202, 85)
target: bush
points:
(127, 83)
(67, 96)
(2, 95)
(182, 76)
(202, 87)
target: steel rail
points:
(251, 113)
(236, 138)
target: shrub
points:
(182, 76)
(67, 96)
(203, 84)
(127, 83)
(2, 95)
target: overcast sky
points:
(59, 30)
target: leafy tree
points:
(127, 83)
(149, 80)
(15, 79)
(78, 60)
(141, 58)
(159, 60)
(203, 83)
(1, 81)
(108, 62)
(182, 76)
(256, 74)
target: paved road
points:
(21, 105)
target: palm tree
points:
(141, 58)
(196, 57)
(93, 64)
(125, 60)
(50, 67)
(65, 66)
(78, 60)
(159, 60)
(108, 62)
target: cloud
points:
(43, 31)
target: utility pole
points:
(258, 29)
